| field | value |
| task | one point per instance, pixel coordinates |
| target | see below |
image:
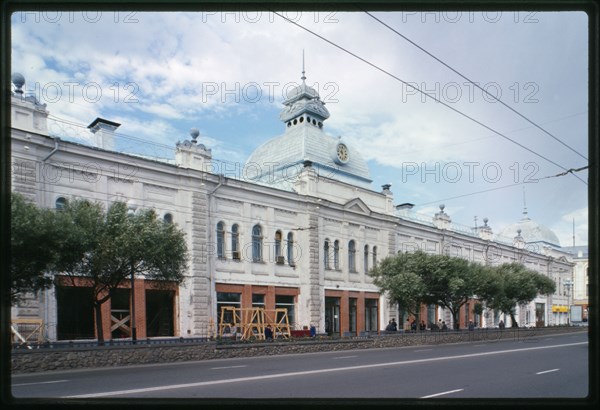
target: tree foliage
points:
(513, 284)
(33, 249)
(414, 278)
(400, 276)
(95, 248)
(107, 248)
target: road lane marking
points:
(309, 372)
(442, 393)
(31, 384)
(227, 367)
(422, 350)
(343, 357)
(548, 371)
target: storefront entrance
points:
(332, 315)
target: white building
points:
(298, 228)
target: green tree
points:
(513, 284)
(415, 278)
(33, 245)
(399, 276)
(105, 249)
(451, 282)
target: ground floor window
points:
(332, 315)
(352, 303)
(540, 309)
(286, 302)
(258, 301)
(75, 313)
(371, 323)
(430, 316)
(228, 299)
(159, 313)
(120, 318)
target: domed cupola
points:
(531, 232)
(279, 160)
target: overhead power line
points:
(424, 93)
(570, 171)
(477, 85)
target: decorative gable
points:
(357, 205)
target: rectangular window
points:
(120, 302)
(287, 302)
(352, 314)
(332, 315)
(75, 313)
(371, 323)
(227, 299)
(430, 316)
(258, 301)
(159, 313)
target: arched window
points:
(326, 254)
(221, 240)
(366, 259)
(235, 242)
(277, 244)
(168, 218)
(351, 256)
(336, 255)
(60, 203)
(374, 256)
(257, 243)
(290, 249)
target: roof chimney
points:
(104, 130)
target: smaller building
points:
(581, 275)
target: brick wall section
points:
(29, 361)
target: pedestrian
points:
(422, 326)
(388, 328)
(444, 327)
(413, 325)
(407, 326)
(394, 325)
(313, 331)
(268, 333)
(501, 325)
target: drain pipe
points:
(209, 257)
(56, 140)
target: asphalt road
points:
(545, 367)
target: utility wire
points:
(424, 93)
(570, 171)
(476, 85)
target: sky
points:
(226, 73)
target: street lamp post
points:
(568, 283)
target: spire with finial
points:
(303, 105)
(524, 204)
(303, 76)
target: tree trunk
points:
(455, 319)
(513, 320)
(99, 327)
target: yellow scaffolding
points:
(27, 331)
(248, 323)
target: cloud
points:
(161, 73)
